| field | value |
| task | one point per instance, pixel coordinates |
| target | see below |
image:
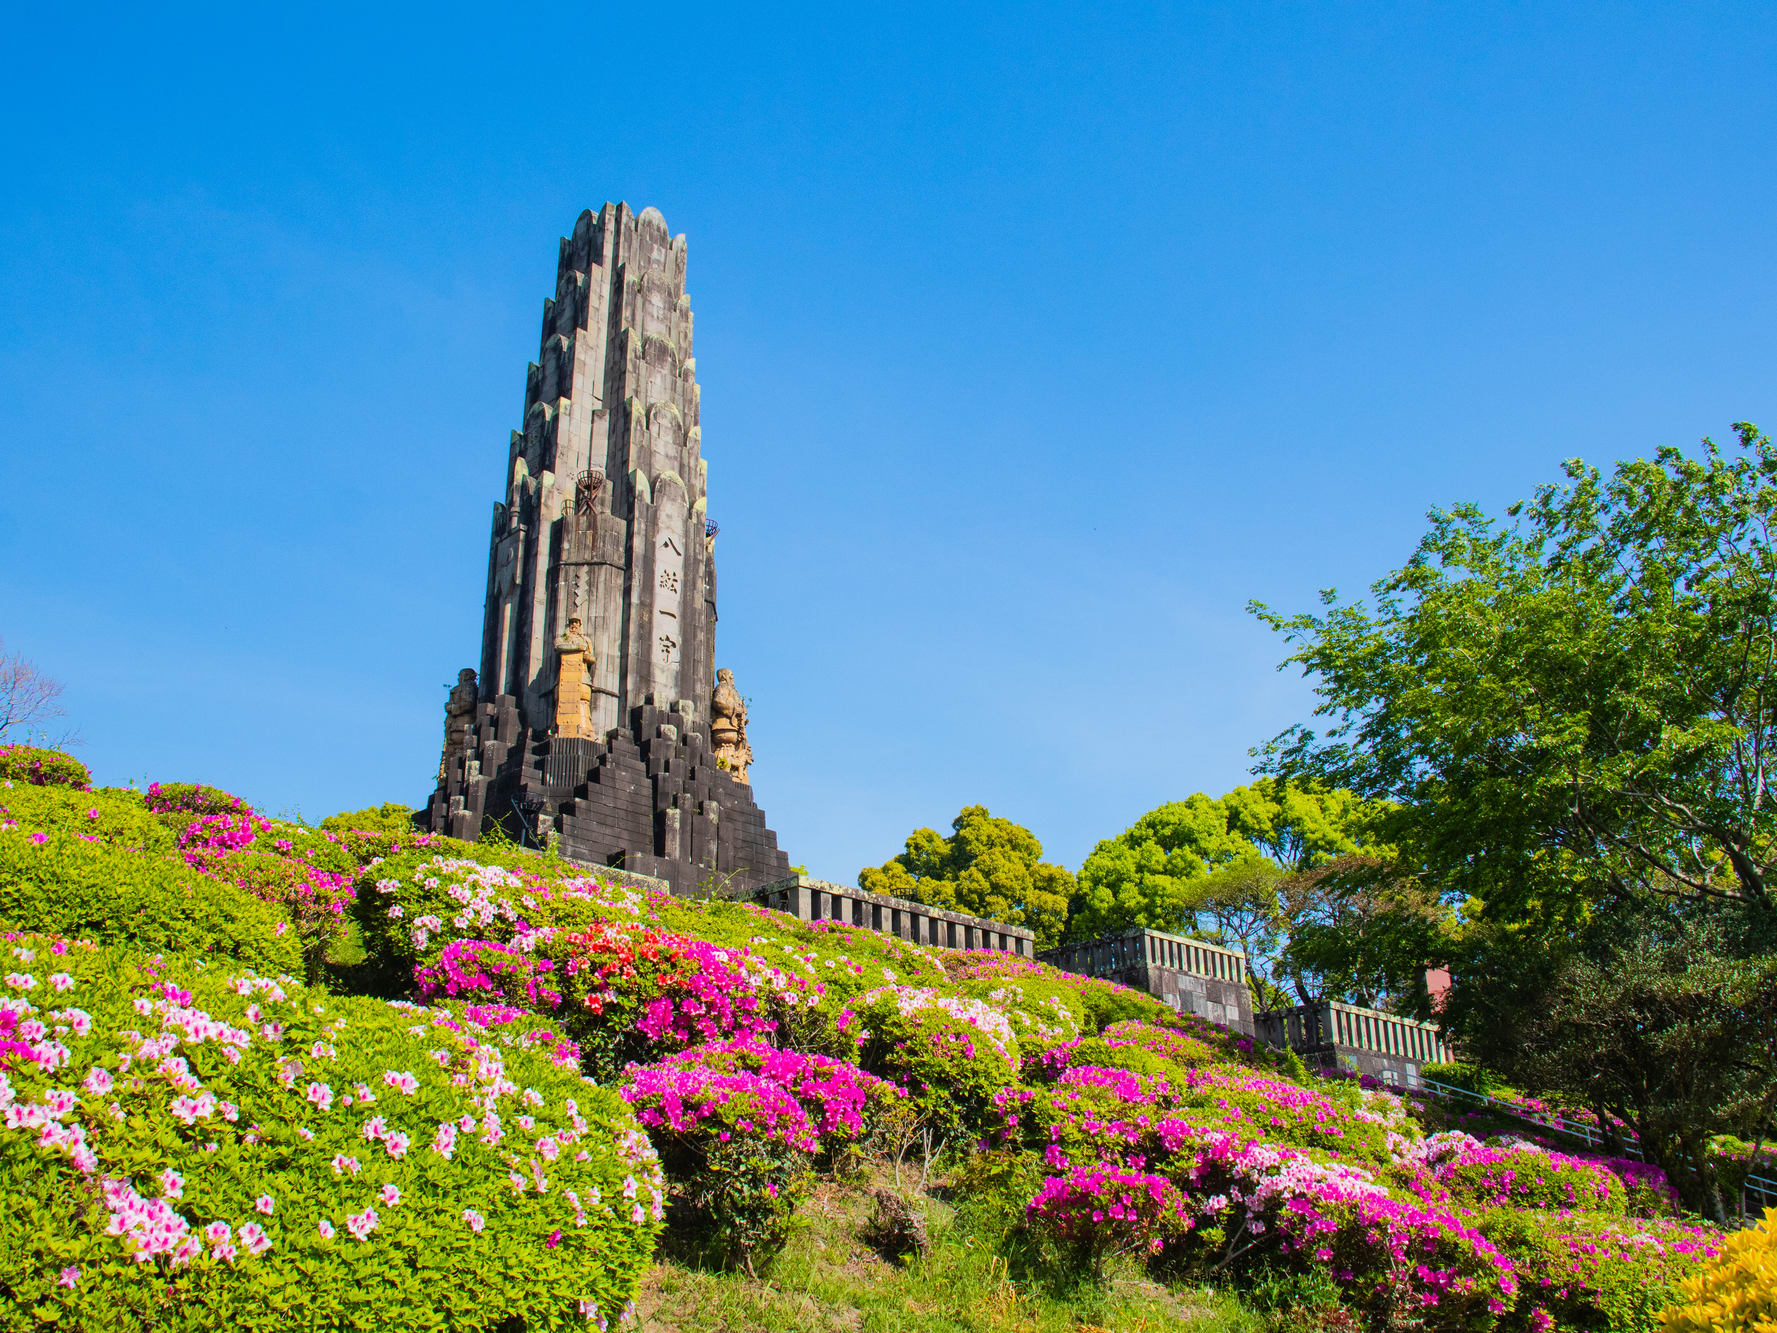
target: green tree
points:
(1240, 905)
(1573, 718)
(988, 867)
(1684, 1003)
(1217, 868)
(1361, 931)
(1142, 877)
(1581, 702)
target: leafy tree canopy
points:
(1572, 718)
(1219, 868)
(1151, 873)
(1583, 702)
(1665, 1017)
(988, 867)
(1362, 931)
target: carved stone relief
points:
(728, 727)
(573, 682)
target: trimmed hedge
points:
(194, 1147)
(42, 768)
(115, 815)
(390, 819)
(61, 883)
(1593, 1271)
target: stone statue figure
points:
(573, 681)
(459, 716)
(728, 727)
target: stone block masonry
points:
(817, 900)
(1190, 975)
(599, 720)
(647, 799)
(591, 719)
(1332, 1035)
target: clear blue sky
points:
(1034, 341)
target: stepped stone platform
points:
(647, 799)
(1190, 975)
(1333, 1035)
(818, 900)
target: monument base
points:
(648, 798)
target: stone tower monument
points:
(591, 717)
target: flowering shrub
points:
(1184, 1048)
(952, 1053)
(1263, 1205)
(1523, 1175)
(1258, 1206)
(481, 969)
(193, 799)
(1400, 1261)
(1646, 1190)
(838, 1097)
(1092, 1212)
(736, 1147)
(1594, 1271)
(189, 1147)
(1737, 1291)
(1152, 1048)
(415, 896)
(642, 992)
(1219, 1096)
(41, 767)
(208, 837)
(1044, 1010)
(690, 1101)
(62, 882)
(1040, 1013)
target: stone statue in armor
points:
(573, 681)
(728, 727)
(459, 717)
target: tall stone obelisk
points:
(598, 643)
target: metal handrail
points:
(1763, 1186)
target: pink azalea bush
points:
(1094, 1112)
(482, 969)
(952, 1053)
(1257, 1206)
(652, 991)
(211, 1147)
(1093, 1212)
(227, 839)
(42, 767)
(414, 901)
(838, 1098)
(1519, 1175)
(738, 1124)
(1583, 1270)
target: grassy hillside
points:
(283, 1076)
